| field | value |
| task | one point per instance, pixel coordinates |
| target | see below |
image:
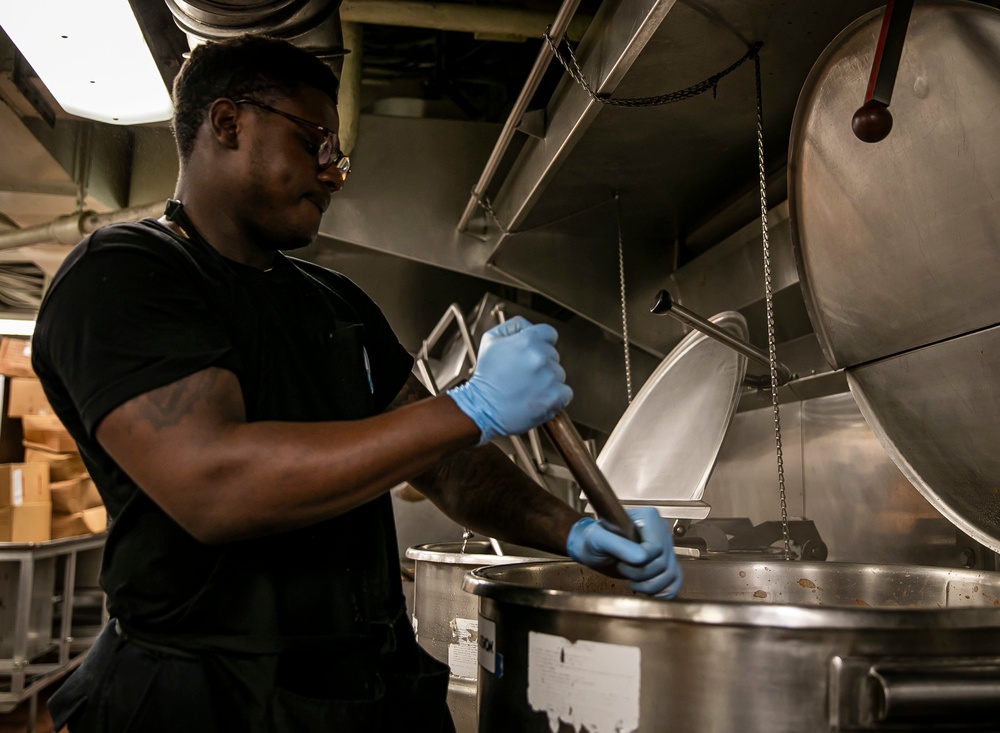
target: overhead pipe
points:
(482, 20)
(74, 227)
(557, 31)
(316, 25)
(349, 102)
(310, 24)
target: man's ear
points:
(224, 122)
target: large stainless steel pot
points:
(445, 618)
(766, 647)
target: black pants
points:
(123, 687)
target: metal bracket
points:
(533, 123)
(452, 315)
(724, 534)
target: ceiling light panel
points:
(91, 56)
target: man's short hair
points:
(244, 66)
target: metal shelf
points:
(44, 586)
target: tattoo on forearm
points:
(413, 391)
(495, 496)
(167, 406)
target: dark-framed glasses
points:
(328, 153)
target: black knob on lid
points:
(662, 303)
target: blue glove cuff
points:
(468, 401)
(576, 541)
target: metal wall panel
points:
(864, 508)
(576, 265)
(409, 183)
(837, 475)
(745, 480)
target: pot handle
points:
(593, 483)
(582, 465)
(665, 305)
(935, 695)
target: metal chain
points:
(772, 355)
(621, 279)
(487, 206)
(572, 67)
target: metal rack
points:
(51, 610)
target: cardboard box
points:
(26, 523)
(62, 466)
(27, 398)
(47, 432)
(75, 495)
(15, 357)
(23, 483)
(89, 521)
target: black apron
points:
(364, 672)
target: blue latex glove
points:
(651, 565)
(517, 384)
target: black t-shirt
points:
(135, 307)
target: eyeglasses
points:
(328, 154)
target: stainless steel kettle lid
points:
(896, 242)
(664, 447)
(896, 245)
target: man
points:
(244, 415)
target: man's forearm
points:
(190, 449)
(482, 489)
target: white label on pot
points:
(585, 683)
(463, 651)
(17, 487)
(487, 644)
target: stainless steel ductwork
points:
(311, 24)
(314, 25)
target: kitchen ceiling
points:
(685, 174)
(451, 74)
(52, 164)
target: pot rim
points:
(431, 552)
(730, 613)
